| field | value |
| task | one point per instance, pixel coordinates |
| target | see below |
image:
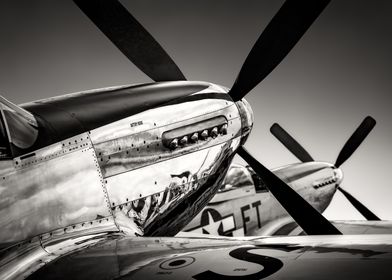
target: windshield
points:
(4, 143)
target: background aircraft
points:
(243, 205)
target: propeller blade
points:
(355, 140)
(131, 38)
(308, 218)
(278, 38)
(290, 143)
(369, 215)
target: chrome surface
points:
(304, 257)
(116, 178)
(247, 118)
(215, 167)
(223, 129)
(86, 177)
(149, 198)
(338, 175)
(184, 140)
(23, 261)
(55, 187)
(195, 137)
(121, 147)
(188, 130)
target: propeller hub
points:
(246, 114)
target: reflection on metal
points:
(195, 137)
(193, 128)
(45, 193)
(23, 260)
(184, 210)
(116, 178)
(194, 258)
(149, 199)
(246, 115)
(142, 145)
(58, 150)
(204, 134)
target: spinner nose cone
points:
(338, 174)
(246, 114)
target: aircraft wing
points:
(287, 226)
(300, 257)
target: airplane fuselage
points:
(120, 159)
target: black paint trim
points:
(68, 116)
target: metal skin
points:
(287, 227)
(244, 207)
(301, 257)
(117, 178)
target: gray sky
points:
(336, 75)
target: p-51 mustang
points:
(83, 174)
(244, 206)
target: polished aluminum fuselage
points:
(120, 177)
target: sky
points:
(338, 73)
